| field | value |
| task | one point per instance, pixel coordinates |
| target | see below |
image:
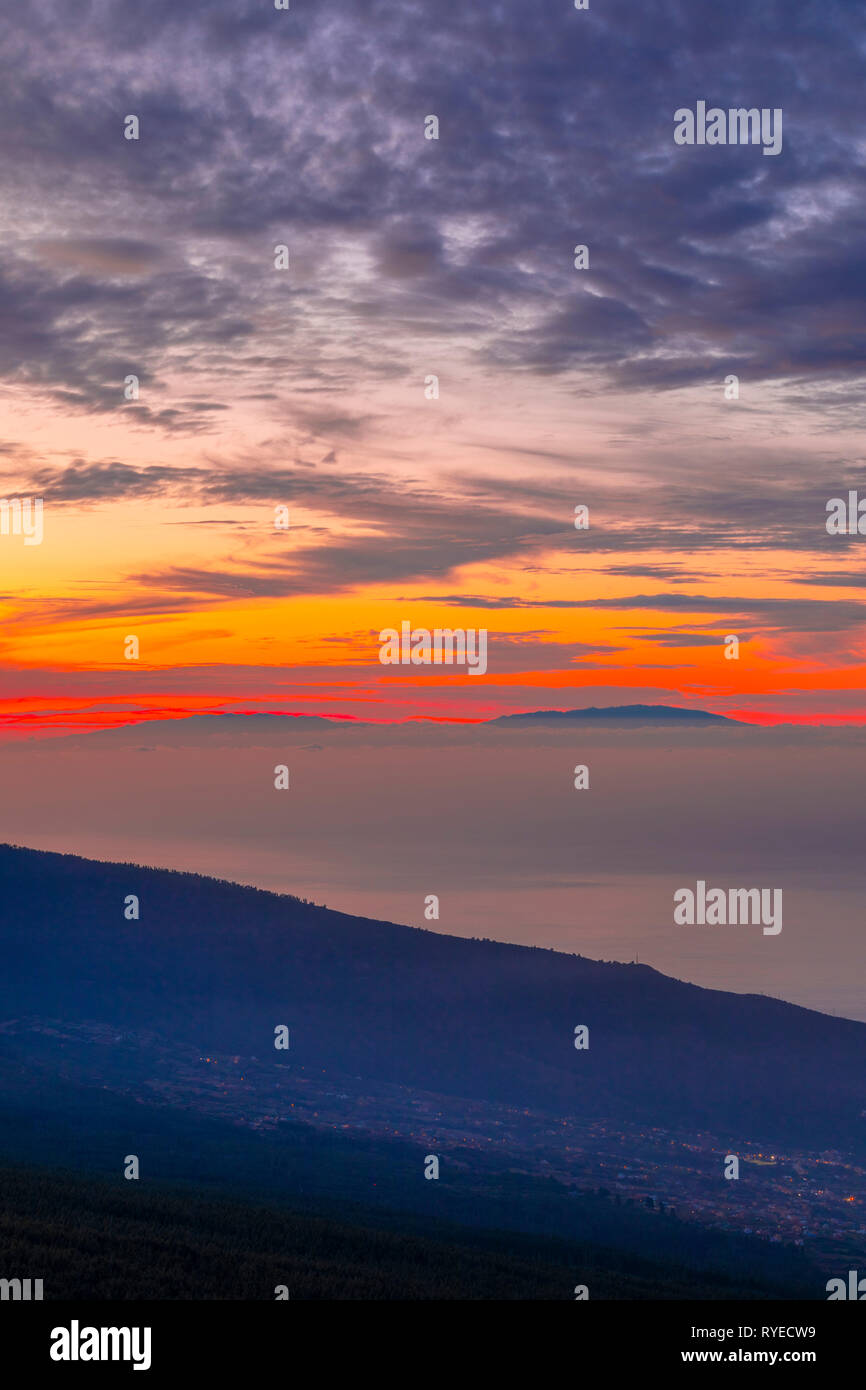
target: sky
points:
(409, 258)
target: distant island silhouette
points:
(637, 714)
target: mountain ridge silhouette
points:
(218, 964)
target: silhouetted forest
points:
(127, 1242)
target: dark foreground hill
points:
(217, 966)
(300, 1171)
(164, 1243)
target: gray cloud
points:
(309, 124)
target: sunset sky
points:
(409, 258)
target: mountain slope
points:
(212, 965)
